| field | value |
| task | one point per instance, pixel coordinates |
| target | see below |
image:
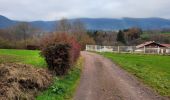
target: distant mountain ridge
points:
(98, 23)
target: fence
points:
(128, 49)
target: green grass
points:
(153, 70)
(165, 32)
(31, 57)
(63, 87)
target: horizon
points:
(85, 18)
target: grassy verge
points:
(153, 70)
(63, 87)
(31, 57)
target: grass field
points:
(62, 88)
(165, 32)
(153, 70)
(22, 56)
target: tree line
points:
(24, 34)
(129, 37)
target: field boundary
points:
(129, 49)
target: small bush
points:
(60, 52)
(57, 57)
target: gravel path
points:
(103, 80)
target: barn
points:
(153, 47)
(167, 48)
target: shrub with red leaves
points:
(60, 51)
(75, 50)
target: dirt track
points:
(103, 80)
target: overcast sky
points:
(31, 10)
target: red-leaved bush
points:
(60, 51)
(75, 50)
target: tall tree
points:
(63, 26)
(78, 29)
(23, 31)
(120, 37)
(132, 34)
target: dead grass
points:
(22, 82)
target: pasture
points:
(165, 32)
(153, 70)
(31, 57)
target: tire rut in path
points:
(102, 80)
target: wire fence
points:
(128, 49)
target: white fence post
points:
(95, 47)
(100, 48)
(131, 49)
(144, 49)
(118, 49)
(104, 48)
(86, 47)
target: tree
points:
(63, 26)
(120, 37)
(80, 33)
(145, 36)
(86, 40)
(132, 34)
(5, 34)
(78, 29)
(103, 37)
(23, 31)
(75, 29)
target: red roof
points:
(150, 42)
(166, 45)
(144, 44)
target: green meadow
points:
(31, 57)
(153, 70)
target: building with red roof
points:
(152, 47)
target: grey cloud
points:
(56, 9)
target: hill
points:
(99, 23)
